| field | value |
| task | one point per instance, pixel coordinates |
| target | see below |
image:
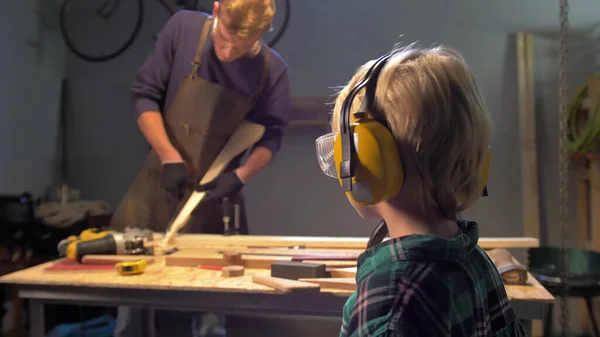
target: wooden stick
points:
(333, 283)
(285, 285)
(243, 137)
(184, 259)
(234, 242)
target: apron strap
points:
(200, 51)
(264, 76)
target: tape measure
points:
(133, 267)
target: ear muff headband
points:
(346, 171)
(378, 140)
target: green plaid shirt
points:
(426, 286)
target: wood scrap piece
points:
(342, 272)
(333, 283)
(511, 271)
(232, 271)
(285, 285)
(183, 259)
(114, 259)
(232, 258)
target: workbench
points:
(194, 289)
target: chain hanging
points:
(563, 163)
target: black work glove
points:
(227, 184)
(176, 181)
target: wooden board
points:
(333, 283)
(285, 285)
(204, 241)
(187, 259)
(343, 272)
(243, 137)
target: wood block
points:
(285, 285)
(233, 258)
(295, 270)
(333, 283)
(114, 259)
(342, 272)
(232, 271)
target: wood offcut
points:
(511, 271)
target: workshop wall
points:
(322, 48)
(32, 62)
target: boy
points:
(419, 132)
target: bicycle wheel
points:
(276, 36)
(64, 9)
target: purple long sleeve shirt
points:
(158, 79)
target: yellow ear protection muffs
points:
(365, 152)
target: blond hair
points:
(245, 18)
(439, 120)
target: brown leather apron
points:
(199, 122)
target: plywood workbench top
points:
(157, 276)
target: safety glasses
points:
(324, 146)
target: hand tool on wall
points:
(246, 135)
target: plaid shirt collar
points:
(427, 247)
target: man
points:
(189, 96)
(205, 75)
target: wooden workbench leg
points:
(37, 318)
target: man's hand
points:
(175, 179)
(227, 184)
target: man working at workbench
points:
(205, 75)
(420, 132)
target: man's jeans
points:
(130, 320)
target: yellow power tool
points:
(85, 235)
(93, 242)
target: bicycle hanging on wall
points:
(108, 8)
